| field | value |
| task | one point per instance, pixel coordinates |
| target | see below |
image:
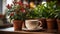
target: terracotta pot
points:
(43, 20)
(50, 24)
(17, 24)
(58, 23)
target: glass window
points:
(9, 1)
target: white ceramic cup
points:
(32, 24)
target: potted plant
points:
(32, 14)
(50, 11)
(41, 11)
(17, 13)
(58, 17)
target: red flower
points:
(26, 5)
(8, 6)
(11, 14)
(23, 10)
(20, 3)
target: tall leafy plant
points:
(58, 12)
(50, 9)
(41, 10)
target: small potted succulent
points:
(17, 13)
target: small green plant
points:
(41, 10)
(33, 13)
(36, 12)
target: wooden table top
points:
(11, 29)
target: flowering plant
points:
(17, 11)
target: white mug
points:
(32, 24)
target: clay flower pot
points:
(17, 24)
(58, 23)
(50, 24)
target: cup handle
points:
(40, 23)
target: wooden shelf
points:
(11, 31)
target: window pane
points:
(9, 1)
